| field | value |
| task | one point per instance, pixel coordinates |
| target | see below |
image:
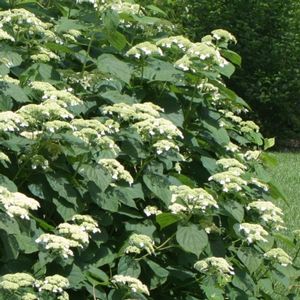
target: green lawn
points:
(287, 176)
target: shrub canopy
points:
(127, 171)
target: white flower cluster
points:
(150, 210)
(139, 242)
(157, 127)
(22, 21)
(54, 284)
(144, 49)
(268, 212)
(252, 154)
(116, 170)
(231, 147)
(163, 146)
(3, 157)
(215, 266)
(91, 132)
(134, 284)
(7, 78)
(192, 199)
(259, 184)
(16, 281)
(72, 35)
(229, 179)
(223, 35)
(179, 41)
(249, 126)
(63, 97)
(210, 90)
(252, 232)
(46, 111)
(278, 255)
(11, 122)
(71, 235)
(136, 112)
(124, 7)
(39, 161)
(17, 204)
(5, 36)
(231, 116)
(229, 163)
(19, 283)
(44, 55)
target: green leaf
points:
(116, 39)
(13, 91)
(62, 186)
(95, 174)
(166, 219)
(269, 143)
(105, 200)
(191, 239)
(129, 266)
(250, 258)
(232, 56)
(234, 209)
(109, 64)
(117, 97)
(158, 70)
(159, 186)
(10, 58)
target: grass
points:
(286, 175)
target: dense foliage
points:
(126, 170)
(269, 42)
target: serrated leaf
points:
(166, 219)
(128, 266)
(159, 186)
(109, 64)
(191, 239)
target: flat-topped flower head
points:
(163, 146)
(249, 126)
(12, 122)
(150, 210)
(55, 284)
(252, 154)
(278, 255)
(57, 244)
(6, 36)
(144, 49)
(223, 35)
(228, 163)
(74, 232)
(192, 198)
(134, 284)
(252, 232)
(44, 55)
(229, 180)
(87, 223)
(179, 41)
(259, 184)
(268, 212)
(157, 127)
(17, 204)
(216, 266)
(16, 281)
(142, 242)
(116, 170)
(232, 147)
(185, 64)
(46, 111)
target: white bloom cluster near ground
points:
(69, 236)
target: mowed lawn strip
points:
(286, 175)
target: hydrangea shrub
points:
(128, 168)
